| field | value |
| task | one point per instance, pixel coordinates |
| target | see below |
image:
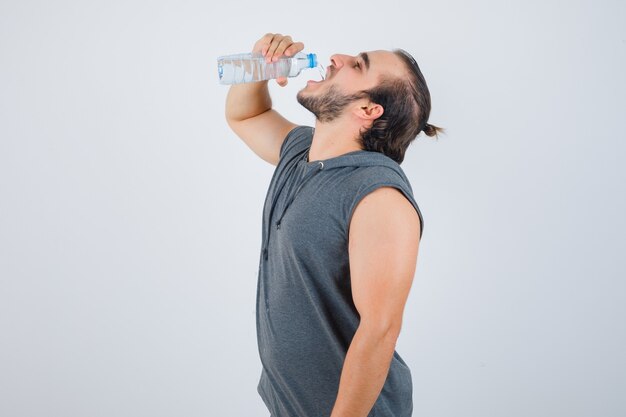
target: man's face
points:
(346, 76)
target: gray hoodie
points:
(305, 314)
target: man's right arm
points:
(249, 110)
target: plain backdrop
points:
(130, 215)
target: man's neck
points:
(332, 139)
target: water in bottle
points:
(251, 67)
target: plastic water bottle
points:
(251, 67)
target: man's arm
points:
(249, 110)
(383, 244)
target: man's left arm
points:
(383, 244)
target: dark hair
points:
(406, 104)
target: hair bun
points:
(432, 130)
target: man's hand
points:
(274, 45)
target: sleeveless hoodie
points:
(305, 314)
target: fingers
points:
(260, 46)
(274, 45)
(277, 47)
(282, 81)
(294, 48)
(269, 41)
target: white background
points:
(130, 215)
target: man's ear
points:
(370, 111)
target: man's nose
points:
(337, 60)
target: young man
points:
(341, 231)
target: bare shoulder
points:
(385, 211)
(383, 247)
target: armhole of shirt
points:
(294, 136)
(373, 187)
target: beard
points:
(329, 105)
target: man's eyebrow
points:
(366, 59)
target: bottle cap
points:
(312, 60)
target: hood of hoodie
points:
(358, 158)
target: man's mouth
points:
(328, 72)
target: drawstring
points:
(306, 178)
(304, 181)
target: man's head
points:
(383, 92)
